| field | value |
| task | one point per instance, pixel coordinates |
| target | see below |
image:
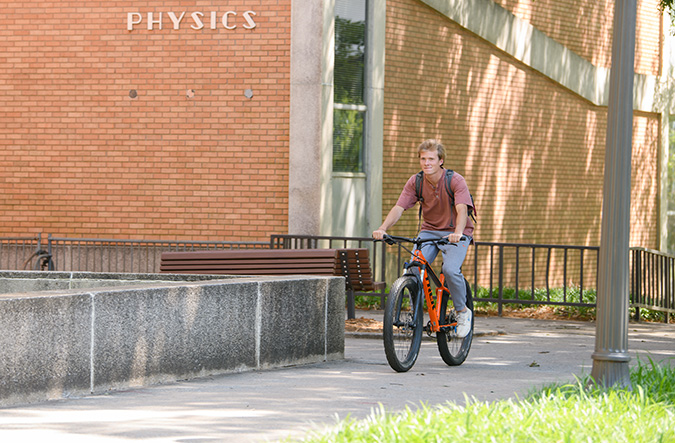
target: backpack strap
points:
(448, 179)
(419, 181)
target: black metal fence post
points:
(501, 278)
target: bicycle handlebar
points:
(393, 239)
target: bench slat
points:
(328, 264)
(355, 267)
(353, 264)
(248, 272)
(330, 270)
(237, 254)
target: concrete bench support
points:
(57, 344)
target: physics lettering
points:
(195, 20)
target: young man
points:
(440, 219)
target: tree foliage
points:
(667, 6)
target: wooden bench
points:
(353, 264)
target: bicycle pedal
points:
(427, 328)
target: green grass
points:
(654, 316)
(555, 295)
(565, 413)
(367, 302)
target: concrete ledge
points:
(66, 342)
(35, 281)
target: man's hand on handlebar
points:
(455, 237)
(379, 234)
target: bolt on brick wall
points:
(111, 129)
(531, 151)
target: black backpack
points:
(419, 181)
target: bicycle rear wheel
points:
(402, 328)
(453, 349)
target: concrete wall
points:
(67, 342)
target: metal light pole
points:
(610, 359)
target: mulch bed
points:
(363, 324)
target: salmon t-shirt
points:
(437, 213)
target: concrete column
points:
(311, 114)
(610, 359)
(377, 14)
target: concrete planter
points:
(118, 331)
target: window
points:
(349, 109)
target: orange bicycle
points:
(404, 312)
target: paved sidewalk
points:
(509, 357)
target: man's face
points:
(430, 162)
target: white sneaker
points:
(464, 323)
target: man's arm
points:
(391, 219)
(462, 216)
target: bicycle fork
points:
(417, 308)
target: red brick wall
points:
(532, 152)
(586, 27)
(80, 157)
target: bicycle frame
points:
(424, 278)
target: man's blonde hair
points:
(432, 145)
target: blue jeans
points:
(453, 257)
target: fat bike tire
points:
(453, 349)
(402, 330)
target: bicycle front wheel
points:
(453, 349)
(402, 325)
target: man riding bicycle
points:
(441, 218)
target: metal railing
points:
(99, 255)
(19, 253)
(532, 273)
(503, 273)
(652, 281)
(528, 274)
(129, 256)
